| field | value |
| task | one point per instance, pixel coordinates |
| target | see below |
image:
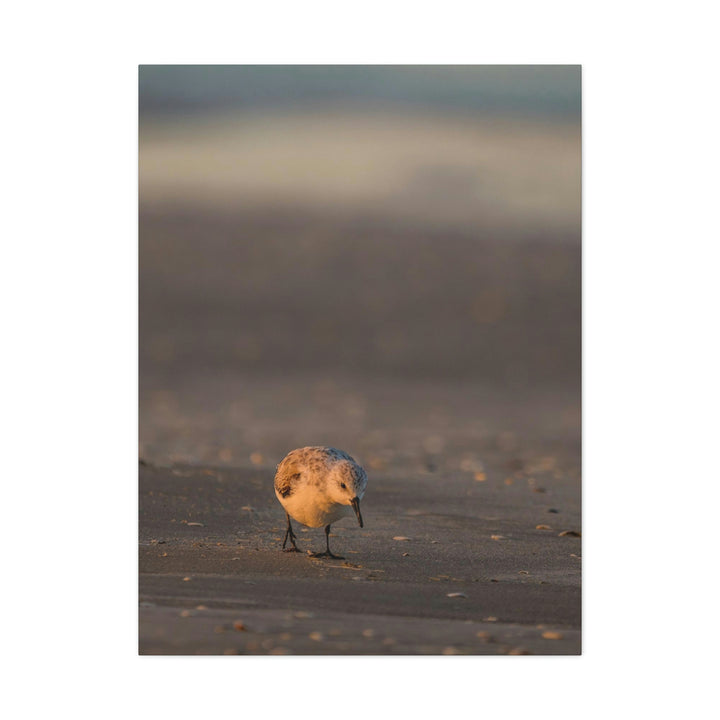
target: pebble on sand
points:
(450, 650)
(401, 538)
(552, 635)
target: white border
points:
(650, 316)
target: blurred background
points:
(382, 258)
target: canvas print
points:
(359, 360)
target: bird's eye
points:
(343, 486)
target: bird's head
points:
(347, 486)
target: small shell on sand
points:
(401, 538)
(552, 635)
(457, 595)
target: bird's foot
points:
(291, 549)
(327, 553)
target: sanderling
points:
(317, 486)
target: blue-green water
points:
(521, 90)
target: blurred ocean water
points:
(523, 90)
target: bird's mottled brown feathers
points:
(284, 484)
(307, 464)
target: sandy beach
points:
(463, 552)
(455, 383)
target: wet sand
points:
(490, 564)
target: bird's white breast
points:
(313, 508)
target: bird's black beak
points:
(355, 502)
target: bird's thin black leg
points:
(327, 552)
(289, 534)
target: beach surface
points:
(462, 552)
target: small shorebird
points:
(317, 486)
